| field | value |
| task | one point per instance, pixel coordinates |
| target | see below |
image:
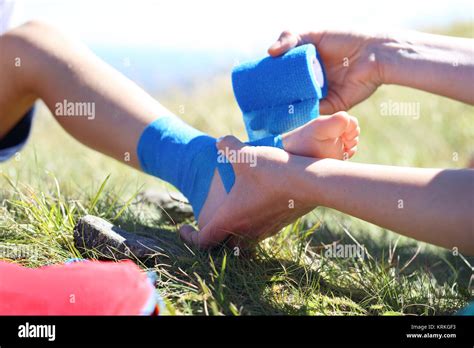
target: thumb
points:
(236, 154)
(285, 42)
(208, 237)
(229, 142)
(188, 234)
(326, 107)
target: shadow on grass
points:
(214, 282)
(407, 254)
(259, 284)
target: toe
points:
(352, 134)
(350, 153)
(353, 129)
(349, 144)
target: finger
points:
(229, 142)
(231, 145)
(288, 40)
(285, 42)
(208, 237)
(188, 234)
(335, 101)
(325, 107)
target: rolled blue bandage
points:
(187, 158)
(279, 94)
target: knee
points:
(34, 25)
(30, 33)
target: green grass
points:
(55, 181)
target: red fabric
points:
(80, 288)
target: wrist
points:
(388, 50)
(426, 62)
(403, 55)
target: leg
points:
(54, 69)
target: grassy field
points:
(55, 181)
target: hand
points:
(264, 199)
(352, 68)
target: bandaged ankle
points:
(186, 158)
(279, 94)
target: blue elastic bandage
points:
(187, 158)
(468, 310)
(279, 94)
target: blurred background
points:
(162, 43)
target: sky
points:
(243, 25)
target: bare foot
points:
(335, 136)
